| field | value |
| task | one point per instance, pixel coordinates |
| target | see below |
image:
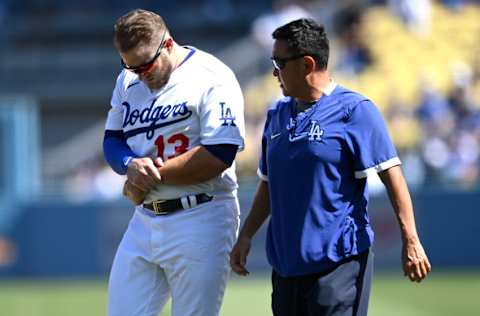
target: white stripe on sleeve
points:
(395, 161)
(262, 176)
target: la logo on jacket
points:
(315, 133)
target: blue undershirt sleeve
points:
(224, 152)
(116, 151)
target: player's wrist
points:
(162, 177)
(127, 161)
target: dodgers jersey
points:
(201, 104)
(316, 163)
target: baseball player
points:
(175, 126)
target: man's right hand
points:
(238, 256)
(143, 173)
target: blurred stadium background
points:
(61, 210)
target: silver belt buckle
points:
(157, 207)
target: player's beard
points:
(160, 77)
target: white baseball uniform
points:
(184, 254)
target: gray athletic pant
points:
(341, 291)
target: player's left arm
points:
(415, 262)
(197, 165)
(222, 130)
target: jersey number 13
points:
(180, 141)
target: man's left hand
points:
(415, 261)
(133, 193)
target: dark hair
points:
(138, 27)
(305, 36)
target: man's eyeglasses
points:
(279, 63)
(149, 64)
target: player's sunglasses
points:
(280, 63)
(149, 64)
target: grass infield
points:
(444, 293)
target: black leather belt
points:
(165, 207)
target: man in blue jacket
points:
(319, 145)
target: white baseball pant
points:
(183, 255)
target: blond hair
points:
(136, 28)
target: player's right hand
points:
(143, 173)
(238, 255)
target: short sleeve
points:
(262, 171)
(368, 140)
(221, 115)
(115, 114)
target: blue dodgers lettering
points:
(151, 116)
(146, 113)
(180, 109)
(165, 112)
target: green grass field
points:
(442, 294)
